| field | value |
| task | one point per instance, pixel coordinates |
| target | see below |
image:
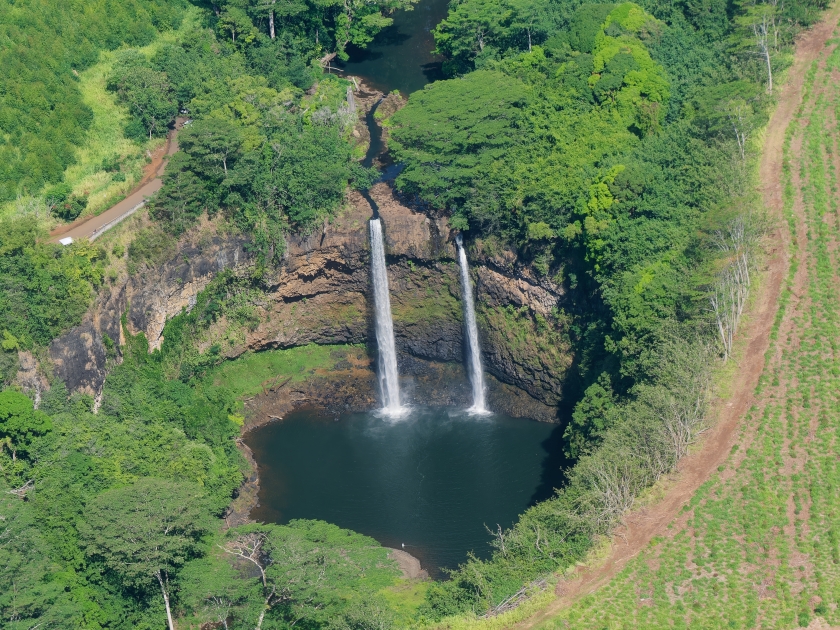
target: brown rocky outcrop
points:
(148, 299)
(78, 359)
(321, 294)
(29, 378)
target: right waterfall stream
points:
(471, 333)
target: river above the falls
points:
(400, 56)
(432, 480)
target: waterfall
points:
(471, 333)
(388, 377)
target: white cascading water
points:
(388, 376)
(471, 333)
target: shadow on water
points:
(554, 466)
(401, 56)
(377, 146)
(375, 149)
(433, 71)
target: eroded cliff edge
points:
(321, 294)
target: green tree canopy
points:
(146, 531)
(20, 422)
(146, 92)
(452, 134)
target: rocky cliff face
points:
(148, 299)
(321, 294)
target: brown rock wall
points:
(321, 294)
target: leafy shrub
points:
(44, 288)
(71, 208)
(152, 246)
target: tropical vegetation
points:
(611, 146)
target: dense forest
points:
(611, 146)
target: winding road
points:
(92, 228)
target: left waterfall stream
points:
(388, 374)
(389, 385)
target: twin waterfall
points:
(388, 375)
(471, 332)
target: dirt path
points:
(409, 565)
(92, 227)
(642, 525)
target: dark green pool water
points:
(400, 57)
(431, 481)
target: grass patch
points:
(405, 598)
(245, 375)
(503, 621)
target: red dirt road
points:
(150, 184)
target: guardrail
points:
(107, 226)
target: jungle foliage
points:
(113, 515)
(270, 156)
(606, 143)
(44, 288)
(258, 148)
(45, 44)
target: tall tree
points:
(235, 23)
(148, 95)
(20, 423)
(758, 32)
(145, 532)
(213, 146)
(276, 10)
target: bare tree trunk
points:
(165, 600)
(769, 70)
(762, 40)
(733, 288)
(271, 23)
(737, 119)
(266, 606)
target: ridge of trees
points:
(609, 144)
